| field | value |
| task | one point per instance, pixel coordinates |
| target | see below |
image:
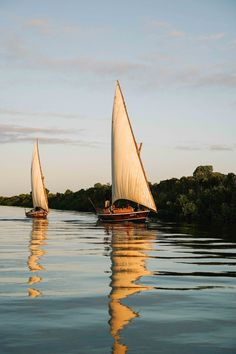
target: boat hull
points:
(135, 216)
(39, 214)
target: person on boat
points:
(107, 204)
(37, 208)
(107, 208)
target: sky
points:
(59, 62)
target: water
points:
(68, 285)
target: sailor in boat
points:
(107, 207)
(38, 209)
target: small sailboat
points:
(39, 195)
(129, 181)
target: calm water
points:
(71, 286)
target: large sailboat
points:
(39, 195)
(129, 181)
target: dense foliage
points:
(206, 196)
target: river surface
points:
(69, 285)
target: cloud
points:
(216, 147)
(17, 128)
(217, 79)
(163, 27)
(187, 147)
(48, 28)
(18, 53)
(232, 44)
(153, 71)
(211, 37)
(18, 134)
(37, 22)
(158, 24)
(12, 112)
(91, 65)
(176, 34)
(13, 47)
(158, 56)
(205, 76)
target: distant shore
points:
(207, 196)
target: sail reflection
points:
(129, 245)
(37, 240)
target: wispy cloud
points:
(17, 52)
(158, 24)
(46, 27)
(216, 147)
(176, 34)
(187, 147)
(219, 147)
(154, 71)
(17, 128)
(16, 134)
(12, 112)
(97, 67)
(13, 47)
(211, 37)
(37, 22)
(158, 56)
(165, 29)
(217, 79)
(232, 44)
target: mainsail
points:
(128, 176)
(38, 190)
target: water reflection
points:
(129, 244)
(37, 240)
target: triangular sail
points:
(128, 175)
(38, 190)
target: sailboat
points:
(39, 195)
(129, 181)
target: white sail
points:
(38, 190)
(128, 176)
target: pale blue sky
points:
(59, 60)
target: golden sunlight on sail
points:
(37, 240)
(129, 244)
(39, 193)
(129, 180)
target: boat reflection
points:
(37, 240)
(129, 244)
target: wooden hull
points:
(39, 214)
(135, 216)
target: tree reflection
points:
(37, 240)
(129, 244)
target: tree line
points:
(206, 196)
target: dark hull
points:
(41, 214)
(136, 216)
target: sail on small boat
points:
(39, 195)
(129, 180)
